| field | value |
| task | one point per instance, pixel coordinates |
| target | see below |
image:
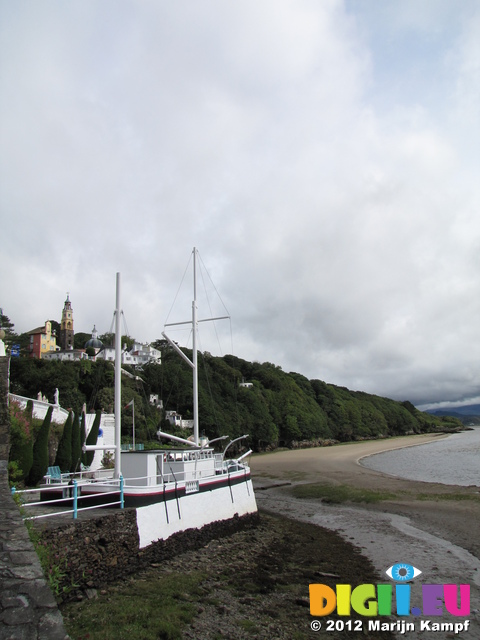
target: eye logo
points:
(402, 572)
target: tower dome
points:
(94, 342)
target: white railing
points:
(85, 474)
(172, 477)
(40, 408)
(70, 493)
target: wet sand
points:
(337, 464)
(341, 465)
(438, 536)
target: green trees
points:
(276, 408)
(256, 419)
(109, 339)
(31, 375)
(40, 451)
(21, 443)
(79, 339)
(7, 326)
(78, 382)
(63, 458)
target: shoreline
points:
(425, 524)
(341, 464)
(453, 510)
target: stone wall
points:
(93, 552)
(4, 421)
(27, 606)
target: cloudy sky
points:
(323, 156)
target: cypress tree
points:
(83, 432)
(92, 439)
(28, 450)
(64, 452)
(40, 451)
(21, 440)
(76, 445)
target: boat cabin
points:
(159, 466)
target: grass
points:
(337, 494)
(249, 626)
(448, 496)
(156, 609)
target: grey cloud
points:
(336, 210)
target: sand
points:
(440, 537)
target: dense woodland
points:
(278, 409)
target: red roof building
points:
(42, 340)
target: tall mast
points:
(194, 347)
(118, 382)
(194, 362)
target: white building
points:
(138, 355)
(145, 353)
(156, 401)
(176, 420)
(66, 356)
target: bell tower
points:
(66, 326)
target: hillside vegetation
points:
(278, 409)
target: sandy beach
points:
(438, 536)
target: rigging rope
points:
(178, 290)
(204, 274)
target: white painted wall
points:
(196, 510)
(107, 424)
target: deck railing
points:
(170, 477)
(85, 474)
(71, 493)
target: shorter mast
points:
(133, 419)
(194, 362)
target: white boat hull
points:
(160, 520)
(167, 508)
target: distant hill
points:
(468, 413)
(464, 410)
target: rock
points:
(303, 602)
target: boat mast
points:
(118, 382)
(118, 393)
(194, 347)
(194, 362)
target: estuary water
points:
(452, 460)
